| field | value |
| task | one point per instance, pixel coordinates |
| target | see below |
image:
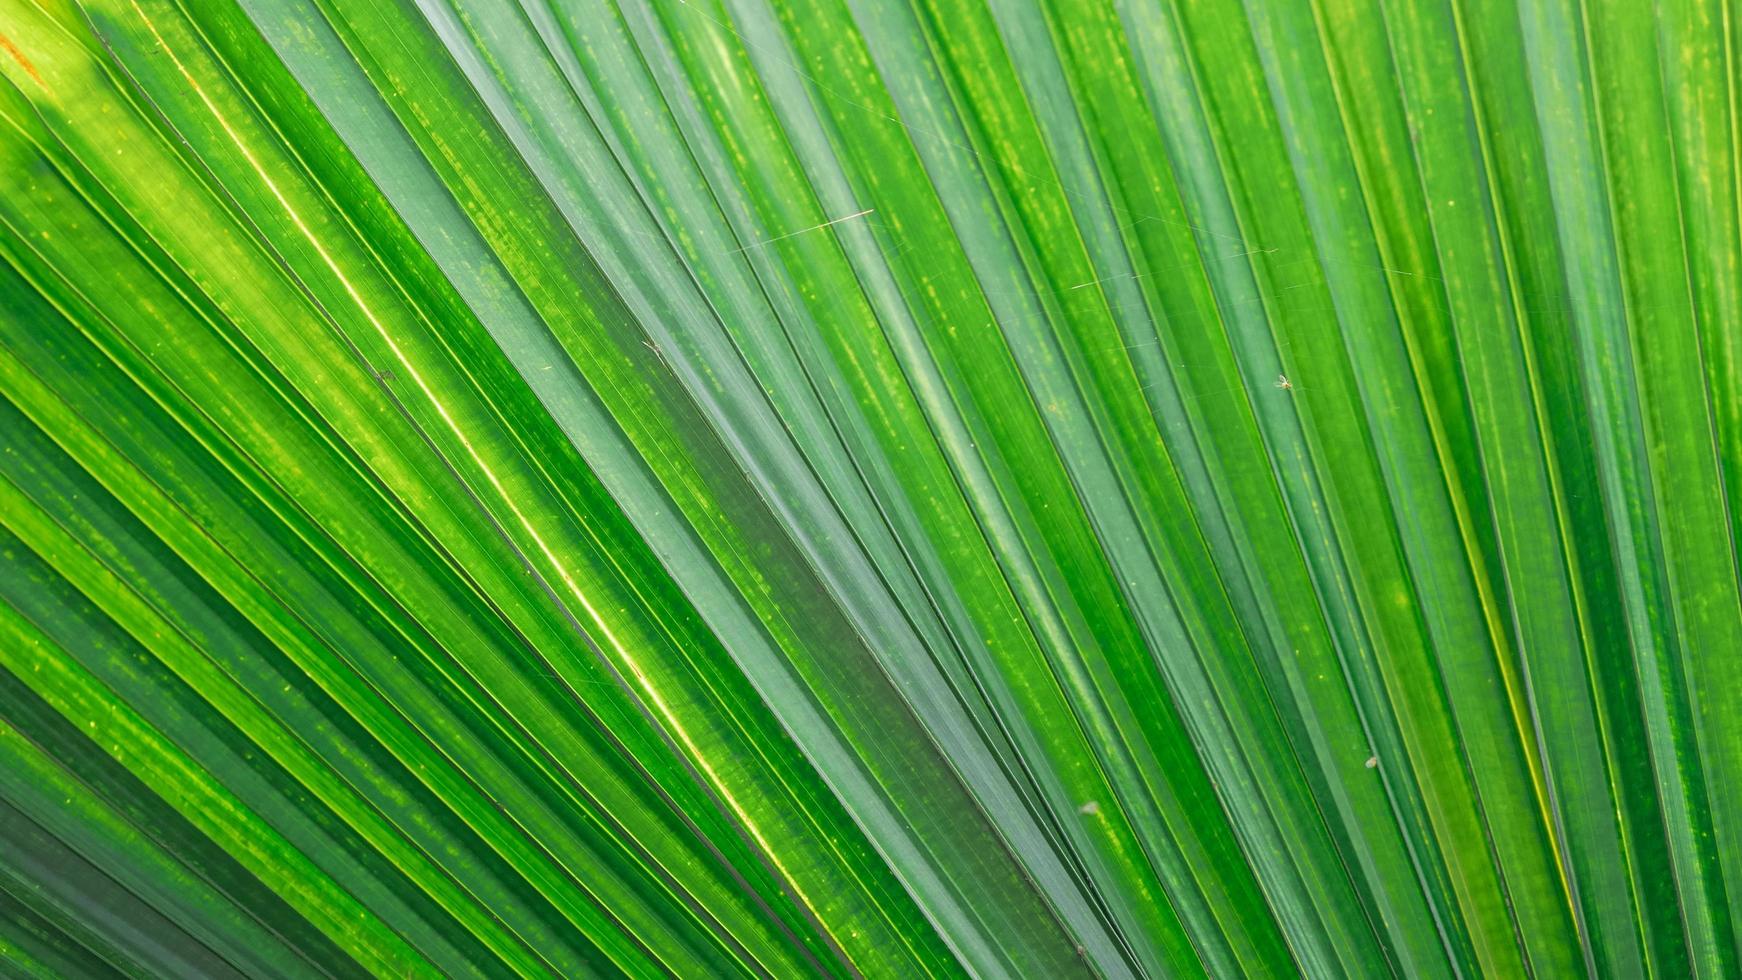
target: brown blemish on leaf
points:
(23, 62)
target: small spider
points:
(1283, 383)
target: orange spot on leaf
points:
(23, 62)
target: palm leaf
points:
(826, 487)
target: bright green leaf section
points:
(1035, 488)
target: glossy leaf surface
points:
(1038, 488)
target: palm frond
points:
(886, 488)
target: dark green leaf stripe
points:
(870, 488)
